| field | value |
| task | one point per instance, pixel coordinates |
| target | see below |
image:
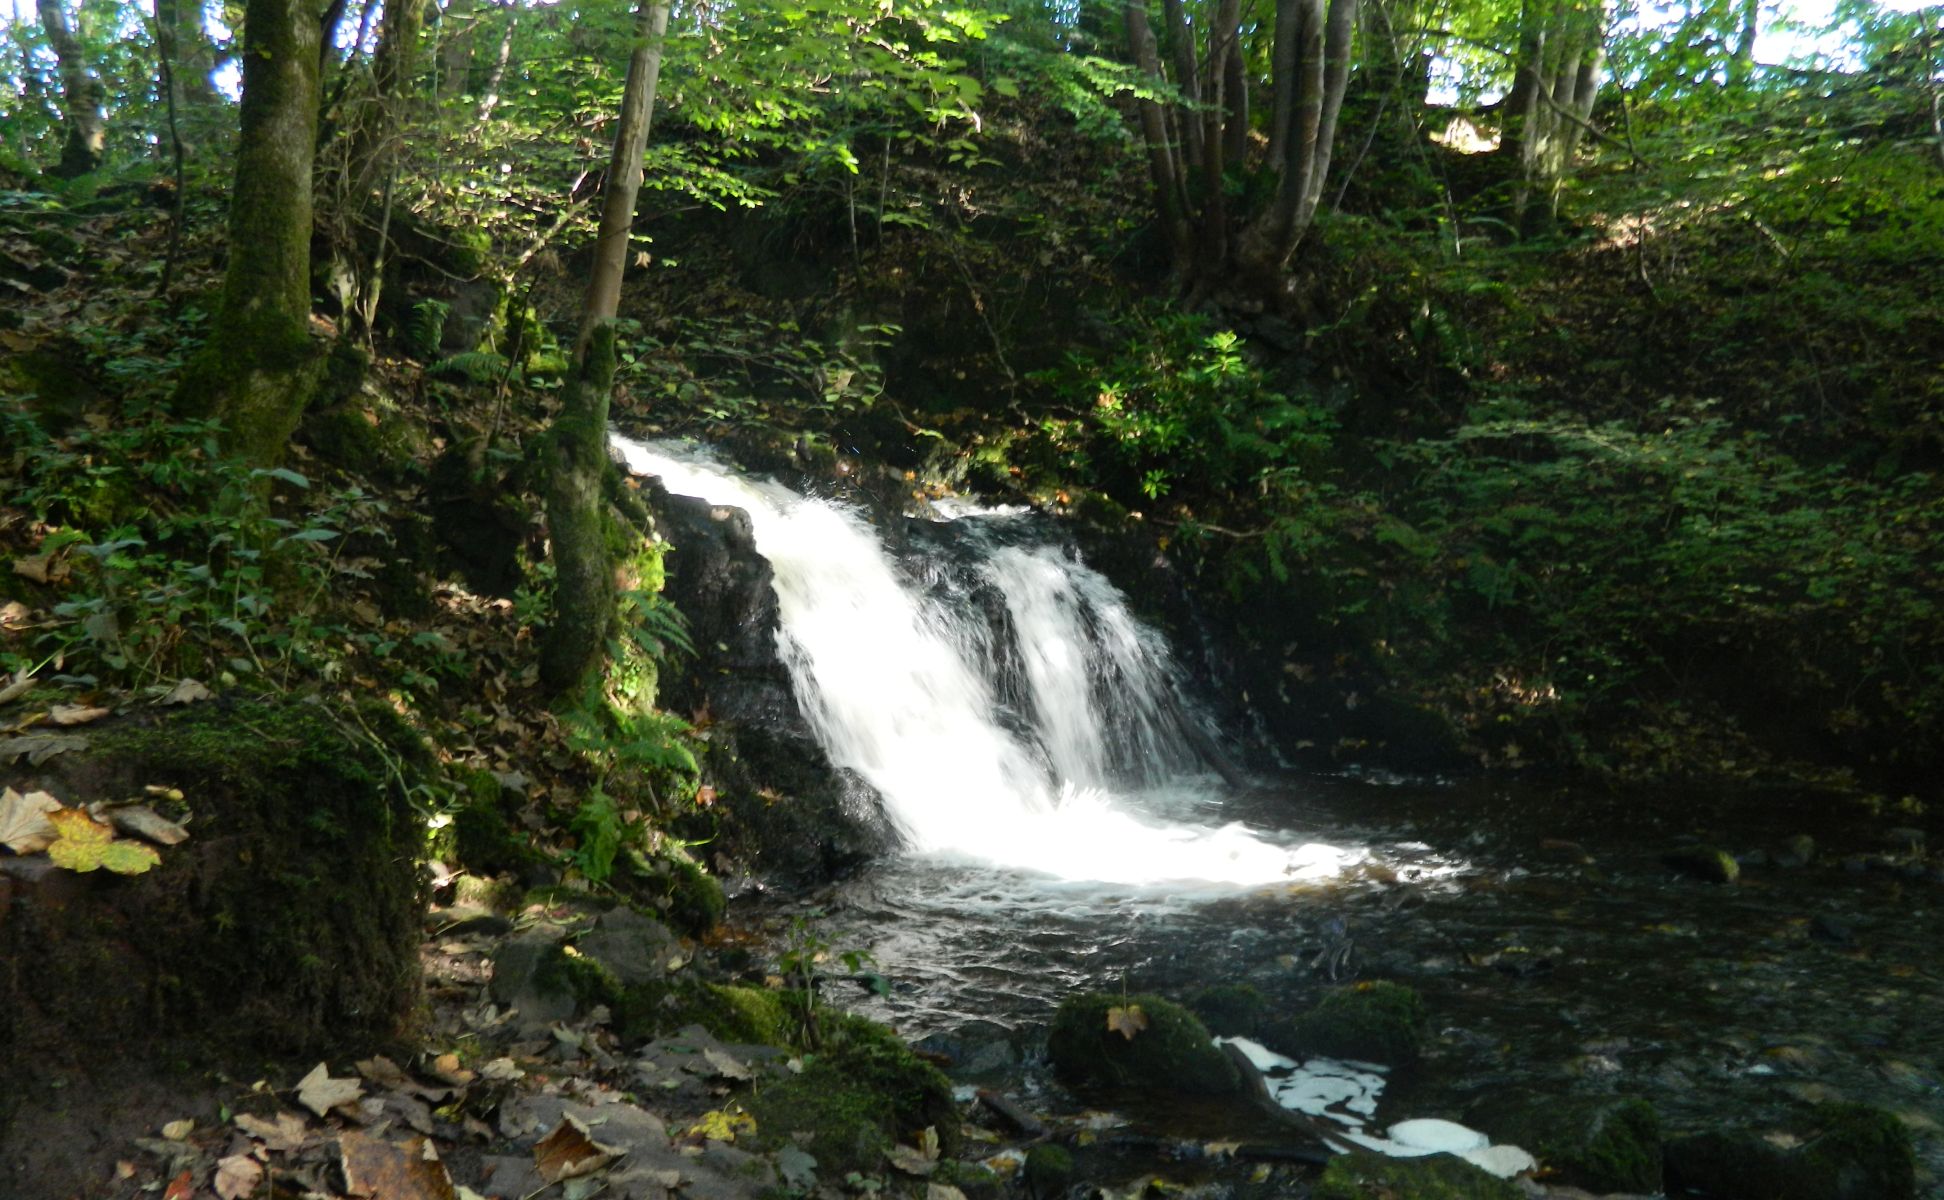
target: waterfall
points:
(999, 696)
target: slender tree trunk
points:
(1181, 45)
(579, 528)
(1235, 91)
(1317, 60)
(181, 37)
(81, 98)
(1154, 125)
(489, 91)
(259, 367)
(624, 170)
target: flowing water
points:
(1064, 829)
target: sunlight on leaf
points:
(1127, 1021)
(86, 844)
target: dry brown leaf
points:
(187, 691)
(18, 685)
(182, 1187)
(13, 612)
(142, 821)
(39, 747)
(287, 1132)
(41, 568)
(942, 1191)
(380, 1170)
(570, 1151)
(24, 827)
(237, 1177)
(177, 1131)
(725, 1064)
(382, 1071)
(911, 1162)
(320, 1093)
(446, 1068)
(76, 714)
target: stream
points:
(1067, 828)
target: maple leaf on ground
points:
(24, 827)
(1127, 1021)
(320, 1093)
(86, 844)
(570, 1151)
(237, 1177)
(287, 1132)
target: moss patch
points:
(855, 1100)
(1364, 1176)
(1231, 1009)
(1173, 1053)
(287, 924)
(730, 1012)
(1375, 1022)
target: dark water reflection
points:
(1555, 948)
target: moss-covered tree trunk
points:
(578, 527)
(260, 366)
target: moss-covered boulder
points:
(1849, 1152)
(730, 1012)
(1365, 1176)
(1048, 1170)
(854, 1100)
(1710, 864)
(287, 925)
(1603, 1144)
(1152, 1043)
(1372, 1022)
(1231, 1009)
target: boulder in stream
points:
(1139, 1041)
(1600, 1143)
(1850, 1152)
(1374, 1021)
(1709, 864)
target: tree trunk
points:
(1551, 101)
(624, 169)
(1154, 126)
(259, 367)
(578, 524)
(1181, 45)
(180, 36)
(579, 529)
(81, 98)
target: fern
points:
(474, 366)
(658, 627)
(428, 326)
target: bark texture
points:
(1550, 106)
(259, 368)
(577, 523)
(624, 170)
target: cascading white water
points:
(1085, 774)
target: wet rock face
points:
(783, 807)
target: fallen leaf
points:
(39, 747)
(177, 1131)
(86, 844)
(910, 1161)
(447, 1069)
(722, 1126)
(41, 568)
(187, 691)
(24, 827)
(182, 1187)
(382, 1071)
(942, 1191)
(237, 1177)
(500, 1070)
(1127, 1021)
(725, 1064)
(76, 714)
(381, 1170)
(570, 1151)
(287, 1132)
(143, 821)
(18, 686)
(320, 1093)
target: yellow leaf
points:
(722, 1126)
(86, 844)
(1127, 1021)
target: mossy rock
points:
(695, 899)
(1709, 864)
(976, 1180)
(1372, 1022)
(1852, 1152)
(287, 925)
(483, 838)
(1365, 1176)
(1231, 1009)
(1048, 1170)
(730, 1012)
(1174, 1052)
(1603, 1144)
(855, 1100)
